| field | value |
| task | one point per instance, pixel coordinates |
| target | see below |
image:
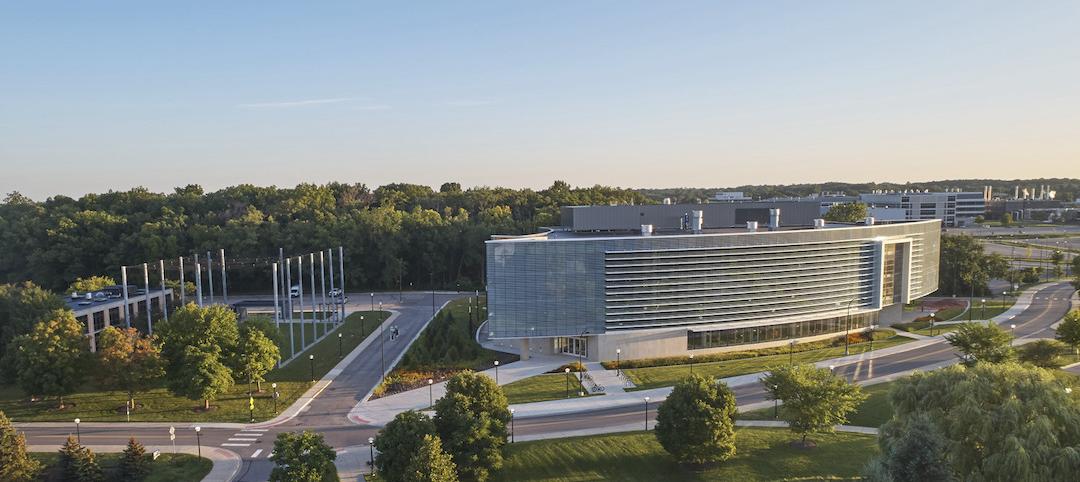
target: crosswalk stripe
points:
(256, 454)
(235, 445)
(246, 434)
(256, 430)
(242, 439)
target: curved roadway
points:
(327, 413)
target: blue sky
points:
(110, 95)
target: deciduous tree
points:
(1002, 422)
(257, 355)
(128, 361)
(197, 344)
(430, 463)
(1043, 353)
(198, 375)
(51, 359)
(982, 342)
(399, 441)
(301, 457)
(90, 284)
(1068, 331)
(22, 306)
(815, 400)
(846, 212)
(471, 420)
(912, 450)
(696, 423)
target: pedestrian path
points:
(380, 411)
(244, 438)
(609, 379)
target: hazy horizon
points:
(632, 94)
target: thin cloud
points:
(470, 102)
(372, 107)
(298, 103)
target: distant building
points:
(953, 208)
(731, 196)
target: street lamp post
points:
(311, 362)
(847, 326)
(932, 317)
(511, 425)
(775, 404)
(430, 394)
(982, 309)
(791, 353)
(618, 361)
(273, 386)
(198, 439)
(567, 372)
(691, 363)
(339, 345)
(1013, 329)
(496, 372)
(78, 434)
(646, 414)
(371, 453)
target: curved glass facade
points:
(571, 284)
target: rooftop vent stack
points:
(696, 219)
(869, 221)
(819, 223)
(774, 219)
(646, 230)
(751, 226)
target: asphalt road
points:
(327, 413)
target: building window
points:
(698, 340)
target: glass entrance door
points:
(572, 345)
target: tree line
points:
(397, 235)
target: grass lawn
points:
(167, 468)
(665, 376)
(762, 454)
(549, 386)
(875, 411)
(158, 405)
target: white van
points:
(294, 292)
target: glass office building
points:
(712, 289)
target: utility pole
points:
(210, 275)
(224, 285)
(146, 296)
(341, 272)
(322, 281)
(314, 322)
(277, 310)
(198, 284)
(164, 304)
(330, 258)
(183, 288)
(300, 282)
(127, 304)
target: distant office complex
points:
(953, 208)
(661, 280)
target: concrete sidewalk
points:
(380, 411)
(226, 462)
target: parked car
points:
(336, 293)
(294, 292)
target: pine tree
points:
(87, 468)
(134, 465)
(70, 452)
(15, 464)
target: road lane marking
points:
(256, 454)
